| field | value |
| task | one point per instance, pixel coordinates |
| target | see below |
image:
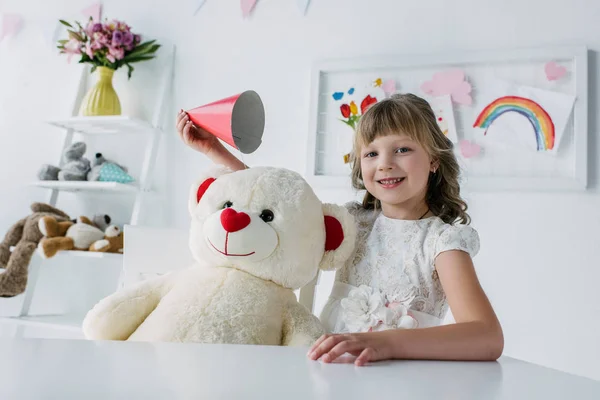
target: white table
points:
(76, 369)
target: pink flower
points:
(73, 47)
(101, 38)
(88, 50)
(117, 52)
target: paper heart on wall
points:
(247, 7)
(389, 87)
(11, 24)
(469, 149)
(554, 71)
(450, 82)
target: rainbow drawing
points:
(537, 116)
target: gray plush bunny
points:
(75, 168)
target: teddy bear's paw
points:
(112, 231)
(43, 225)
(100, 245)
(42, 251)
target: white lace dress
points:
(390, 281)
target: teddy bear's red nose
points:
(234, 221)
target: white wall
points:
(539, 258)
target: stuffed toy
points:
(68, 235)
(24, 236)
(108, 171)
(112, 242)
(100, 221)
(75, 168)
(256, 235)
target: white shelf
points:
(85, 254)
(105, 125)
(65, 322)
(86, 186)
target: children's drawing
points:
(531, 117)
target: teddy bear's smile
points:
(228, 254)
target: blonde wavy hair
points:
(411, 115)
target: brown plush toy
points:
(25, 236)
(112, 243)
(67, 236)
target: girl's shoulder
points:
(360, 214)
(445, 237)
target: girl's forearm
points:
(472, 341)
(220, 155)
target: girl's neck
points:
(409, 211)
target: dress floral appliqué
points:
(367, 310)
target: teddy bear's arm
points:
(117, 316)
(300, 326)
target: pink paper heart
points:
(461, 94)
(94, 11)
(450, 82)
(389, 86)
(247, 7)
(11, 23)
(554, 71)
(469, 149)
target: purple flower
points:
(97, 27)
(117, 38)
(127, 38)
(137, 39)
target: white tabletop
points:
(77, 369)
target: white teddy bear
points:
(256, 235)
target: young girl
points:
(413, 253)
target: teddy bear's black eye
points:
(267, 215)
(227, 204)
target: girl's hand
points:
(368, 347)
(194, 136)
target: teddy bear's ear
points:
(340, 229)
(202, 184)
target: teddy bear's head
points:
(268, 222)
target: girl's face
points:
(395, 169)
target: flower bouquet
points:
(107, 47)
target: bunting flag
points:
(303, 5)
(49, 30)
(94, 11)
(247, 6)
(11, 24)
(200, 4)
